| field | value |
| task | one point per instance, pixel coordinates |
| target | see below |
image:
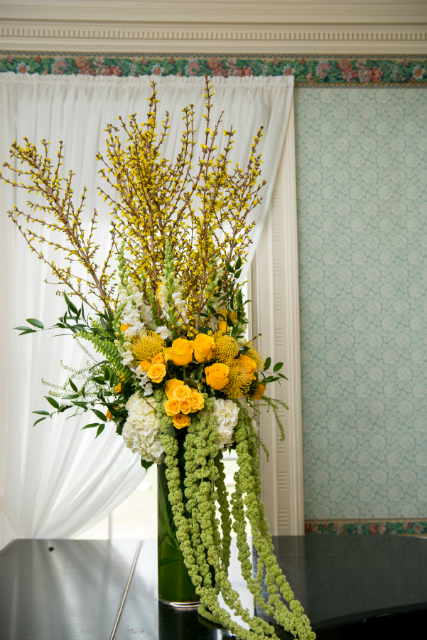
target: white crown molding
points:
(384, 27)
(159, 38)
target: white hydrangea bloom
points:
(141, 432)
(226, 413)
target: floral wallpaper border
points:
(366, 527)
(310, 71)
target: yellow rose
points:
(158, 359)
(156, 372)
(181, 352)
(172, 407)
(109, 415)
(124, 327)
(197, 401)
(171, 386)
(259, 391)
(180, 421)
(185, 405)
(249, 365)
(145, 365)
(181, 393)
(217, 375)
(203, 347)
(118, 388)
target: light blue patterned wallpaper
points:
(362, 207)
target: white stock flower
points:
(148, 388)
(162, 294)
(141, 432)
(163, 332)
(127, 358)
(136, 314)
(226, 413)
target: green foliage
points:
(272, 378)
(274, 404)
(110, 351)
(198, 529)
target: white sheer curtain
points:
(56, 480)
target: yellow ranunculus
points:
(197, 401)
(171, 386)
(259, 391)
(180, 421)
(185, 405)
(217, 375)
(124, 327)
(249, 365)
(172, 407)
(181, 393)
(158, 359)
(145, 365)
(156, 372)
(118, 388)
(203, 347)
(181, 352)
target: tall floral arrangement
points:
(179, 378)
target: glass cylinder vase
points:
(175, 586)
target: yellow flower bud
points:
(259, 391)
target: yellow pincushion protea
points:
(225, 349)
(147, 345)
(240, 377)
(255, 355)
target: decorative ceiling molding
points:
(134, 26)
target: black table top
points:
(350, 586)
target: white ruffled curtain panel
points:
(56, 481)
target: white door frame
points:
(274, 292)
